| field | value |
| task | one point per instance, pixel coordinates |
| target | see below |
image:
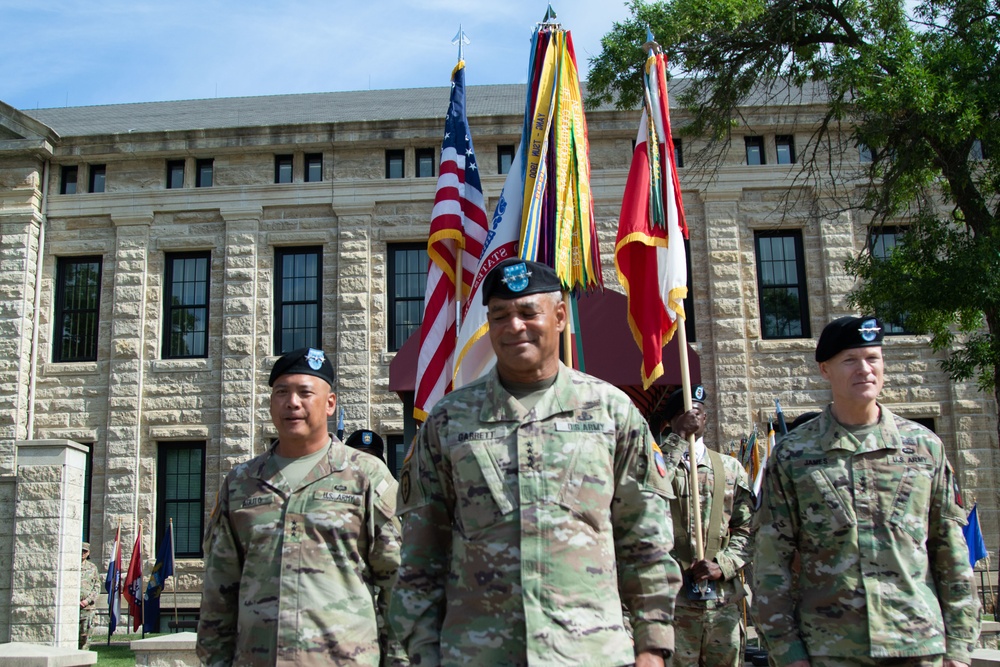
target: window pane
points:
(407, 281)
(314, 167)
(755, 150)
(781, 285)
(298, 299)
(785, 146)
(187, 305)
(425, 162)
(283, 169)
(97, 178)
(78, 284)
(394, 164)
(505, 157)
(180, 495)
(68, 184)
(203, 175)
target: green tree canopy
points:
(918, 83)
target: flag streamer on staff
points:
(162, 570)
(458, 231)
(545, 211)
(113, 583)
(974, 537)
(133, 582)
(649, 251)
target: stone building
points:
(157, 257)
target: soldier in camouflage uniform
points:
(708, 628)
(533, 504)
(90, 588)
(299, 539)
(871, 504)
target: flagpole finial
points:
(650, 46)
(461, 39)
(550, 19)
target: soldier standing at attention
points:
(871, 504)
(533, 503)
(298, 538)
(708, 618)
(90, 588)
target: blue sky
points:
(75, 53)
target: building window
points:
(98, 174)
(881, 241)
(505, 158)
(679, 156)
(395, 452)
(175, 174)
(394, 163)
(755, 150)
(67, 186)
(314, 167)
(865, 155)
(88, 473)
(689, 328)
(180, 495)
(186, 305)
(785, 147)
(407, 274)
(78, 304)
(781, 285)
(203, 173)
(298, 272)
(425, 163)
(977, 152)
(282, 168)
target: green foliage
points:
(917, 82)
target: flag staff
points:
(461, 39)
(142, 587)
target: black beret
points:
(802, 419)
(846, 333)
(675, 403)
(303, 361)
(513, 278)
(366, 440)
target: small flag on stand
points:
(133, 583)
(340, 425)
(162, 570)
(113, 583)
(974, 537)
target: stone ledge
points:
(166, 650)
(985, 657)
(20, 654)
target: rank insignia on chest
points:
(661, 465)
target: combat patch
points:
(404, 486)
(337, 497)
(254, 501)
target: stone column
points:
(239, 329)
(353, 313)
(126, 373)
(18, 268)
(48, 524)
(730, 320)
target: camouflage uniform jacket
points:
(878, 526)
(526, 531)
(91, 586)
(737, 515)
(290, 573)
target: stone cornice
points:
(241, 213)
(130, 219)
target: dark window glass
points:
(78, 304)
(977, 152)
(865, 153)
(679, 157)
(395, 452)
(925, 421)
(394, 163)
(298, 272)
(175, 174)
(314, 167)
(67, 186)
(88, 473)
(785, 147)
(203, 173)
(781, 285)
(98, 173)
(186, 305)
(689, 328)
(882, 240)
(505, 157)
(180, 495)
(282, 168)
(425, 162)
(407, 274)
(755, 150)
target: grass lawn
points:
(115, 655)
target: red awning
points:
(609, 352)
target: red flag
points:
(458, 222)
(133, 583)
(649, 251)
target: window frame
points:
(95, 170)
(173, 167)
(678, 155)
(881, 231)
(786, 140)
(69, 186)
(310, 159)
(280, 303)
(201, 167)
(800, 285)
(421, 155)
(505, 151)
(169, 308)
(393, 341)
(163, 449)
(755, 141)
(281, 161)
(60, 310)
(395, 155)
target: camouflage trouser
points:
(708, 637)
(86, 620)
(919, 661)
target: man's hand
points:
(687, 423)
(705, 569)
(649, 659)
(83, 604)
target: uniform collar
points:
(500, 406)
(334, 461)
(835, 436)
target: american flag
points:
(458, 224)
